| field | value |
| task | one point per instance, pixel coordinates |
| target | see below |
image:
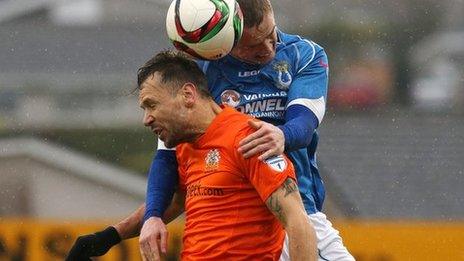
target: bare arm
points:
(98, 243)
(175, 208)
(285, 203)
(154, 234)
(130, 226)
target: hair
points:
(175, 67)
(254, 11)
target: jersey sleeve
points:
(162, 181)
(310, 80)
(265, 176)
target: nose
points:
(148, 119)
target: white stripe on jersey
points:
(317, 106)
(297, 54)
(205, 67)
(312, 57)
(161, 146)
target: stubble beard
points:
(179, 135)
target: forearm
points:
(130, 226)
(300, 123)
(175, 209)
(285, 203)
(302, 238)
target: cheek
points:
(245, 55)
(239, 53)
(165, 113)
(166, 120)
(267, 46)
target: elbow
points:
(307, 138)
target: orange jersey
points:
(226, 217)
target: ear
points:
(189, 94)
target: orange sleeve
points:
(266, 176)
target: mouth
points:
(156, 131)
(264, 57)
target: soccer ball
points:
(205, 29)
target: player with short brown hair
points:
(235, 207)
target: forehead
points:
(256, 34)
(151, 86)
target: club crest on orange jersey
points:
(277, 163)
(212, 160)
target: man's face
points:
(258, 43)
(164, 112)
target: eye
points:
(152, 105)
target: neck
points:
(251, 63)
(203, 115)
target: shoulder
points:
(182, 150)
(236, 126)
(302, 43)
(302, 50)
(239, 122)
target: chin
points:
(170, 145)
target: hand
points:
(268, 140)
(153, 237)
(93, 244)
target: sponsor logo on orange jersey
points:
(198, 189)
